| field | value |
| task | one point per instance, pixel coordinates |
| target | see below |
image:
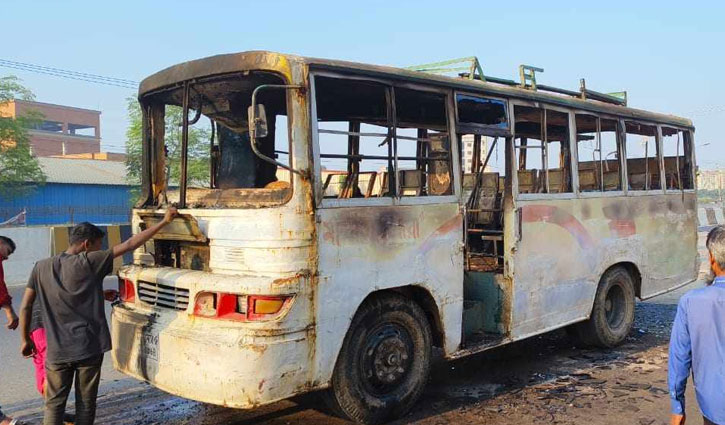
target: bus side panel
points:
(566, 245)
(671, 250)
(367, 249)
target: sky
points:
(666, 55)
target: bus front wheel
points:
(384, 362)
(613, 311)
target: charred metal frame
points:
(598, 149)
(658, 156)
(684, 139)
(621, 157)
(252, 134)
(229, 64)
(153, 144)
(573, 157)
(184, 146)
(482, 129)
(392, 138)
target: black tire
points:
(384, 362)
(613, 311)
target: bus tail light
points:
(262, 307)
(126, 292)
(220, 305)
(205, 305)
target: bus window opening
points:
(221, 168)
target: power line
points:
(72, 75)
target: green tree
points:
(198, 152)
(18, 167)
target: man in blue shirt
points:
(698, 342)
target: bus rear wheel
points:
(384, 362)
(613, 311)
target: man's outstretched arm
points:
(140, 238)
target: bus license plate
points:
(149, 345)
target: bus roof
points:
(265, 60)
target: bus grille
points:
(163, 295)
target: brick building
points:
(64, 130)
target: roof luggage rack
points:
(470, 68)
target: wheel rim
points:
(614, 307)
(386, 358)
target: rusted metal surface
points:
(495, 89)
(566, 245)
(181, 228)
(408, 245)
(263, 60)
(265, 251)
(329, 255)
(235, 197)
(220, 64)
(251, 252)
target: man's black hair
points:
(9, 242)
(85, 231)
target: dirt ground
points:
(543, 380)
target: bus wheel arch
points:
(635, 273)
(384, 362)
(612, 313)
(425, 300)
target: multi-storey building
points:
(61, 130)
(467, 158)
(711, 179)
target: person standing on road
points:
(7, 247)
(698, 342)
(69, 288)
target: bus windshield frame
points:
(213, 135)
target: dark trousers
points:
(86, 374)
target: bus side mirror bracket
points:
(258, 127)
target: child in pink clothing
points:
(37, 335)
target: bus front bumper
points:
(207, 362)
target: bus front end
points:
(218, 306)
